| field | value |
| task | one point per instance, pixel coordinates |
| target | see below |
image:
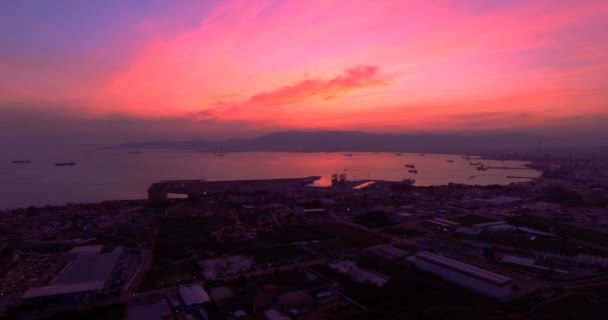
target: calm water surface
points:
(106, 175)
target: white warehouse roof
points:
(194, 294)
(88, 272)
(470, 270)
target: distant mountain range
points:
(342, 141)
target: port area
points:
(280, 248)
(196, 188)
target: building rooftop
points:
(519, 260)
(87, 249)
(490, 224)
(273, 314)
(156, 311)
(220, 293)
(194, 294)
(89, 271)
(536, 232)
(441, 222)
(390, 252)
(465, 268)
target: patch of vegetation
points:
(291, 280)
(43, 248)
(101, 313)
(586, 303)
(290, 234)
(176, 240)
(374, 219)
(169, 275)
(340, 237)
(471, 219)
(403, 232)
(561, 195)
(562, 229)
(354, 235)
(135, 234)
(415, 295)
(275, 254)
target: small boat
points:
(60, 164)
(450, 160)
(348, 154)
(409, 165)
(21, 161)
(422, 155)
(219, 155)
(398, 154)
(413, 171)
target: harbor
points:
(122, 175)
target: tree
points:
(241, 281)
(488, 253)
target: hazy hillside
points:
(336, 141)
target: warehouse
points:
(85, 276)
(471, 277)
(193, 296)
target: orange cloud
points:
(358, 77)
(302, 92)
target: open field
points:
(470, 219)
(414, 295)
(373, 220)
(176, 240)
(403, 232)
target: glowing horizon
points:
(388, 66)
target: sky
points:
(115, 70)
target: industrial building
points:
(471, 277)
(193, 296)
(84, 276)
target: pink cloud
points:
(353, 78)
(538, 57)
(310, 90)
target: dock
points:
(196, 188)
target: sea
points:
(100, 175)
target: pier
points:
(521, 177)
(193, 189)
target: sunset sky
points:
(188, 69)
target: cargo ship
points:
(60, 164)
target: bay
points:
(116, 175)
